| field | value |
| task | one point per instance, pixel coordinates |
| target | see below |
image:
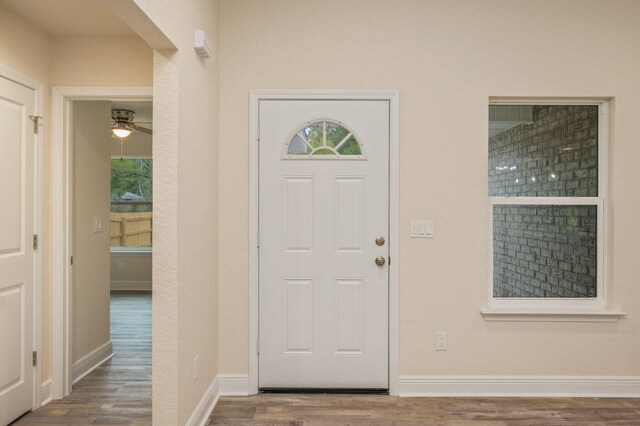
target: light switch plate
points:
(97, 224)
(421, 229)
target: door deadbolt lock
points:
(380, 240)
(380, 260)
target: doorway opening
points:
(102, 200)
(112, 231)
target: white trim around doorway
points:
(393, 97)
(62, 220)
(38, 88)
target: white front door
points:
(16, 249)
(324, 203)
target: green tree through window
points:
(131, 180)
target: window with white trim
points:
(546, 191)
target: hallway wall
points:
(92, 195)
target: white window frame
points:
(560, 309)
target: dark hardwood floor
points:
(119, 391)
(293, 409)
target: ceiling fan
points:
(122, 123)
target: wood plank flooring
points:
(119, 391)
(294, 409)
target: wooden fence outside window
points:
(131, 229)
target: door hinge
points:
(258, 131)
(258, 345)
(36, 122)
(35, 358)
(35, 241)
(389, 260)
(71, 261)
(258, 239)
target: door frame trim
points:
(38, 88)
(62, 222)
(393, 97)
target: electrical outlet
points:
(121, 266)
(195, 368)
(441, 341)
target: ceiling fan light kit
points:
(123, 124)
(121, 130)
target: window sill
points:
(131, 251)
(540, 315)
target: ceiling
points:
(70, 18)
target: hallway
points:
(119, 391)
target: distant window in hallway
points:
(131, 202)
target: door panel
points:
(299, 214)
(16, 253)
(323, 300)
(11, 176)
(349, 214)
(11, 318)
(299, 316)
(348, 316)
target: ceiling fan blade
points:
(141, 129)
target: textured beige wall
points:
(185, 243)
(23, 47)
(114, 61)
(26, 49)
(446, 58)
(92, 194)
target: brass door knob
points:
(380, 260)
(380, 240)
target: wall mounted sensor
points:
(201, 44)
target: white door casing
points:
(323, 301)
(17, 192)
(62, 222)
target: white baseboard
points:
(222, 385)
(45, 397)
(234, 384)
(525, 386)
(131, 285)
(455, 386)
(91, 361)
(206, 405)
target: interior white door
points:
(323, 200)
(16, 249)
